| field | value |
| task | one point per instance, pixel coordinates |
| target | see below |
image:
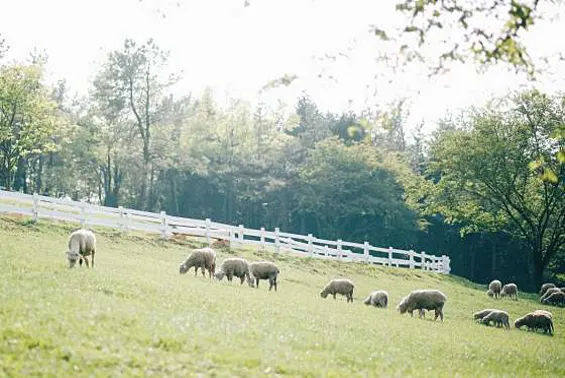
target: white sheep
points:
(82, 243)
(495, 287)
(377, 298)
(339, 286)
(545, 287)
(548, 292)
(234, 267)
(498, 317)
(264, 270)
(509, 290)
(556, 299)
(479, 315)
(423, 300)
(538, 319)
(204, 258)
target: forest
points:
(487, 187)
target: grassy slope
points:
(135, 315)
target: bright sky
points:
(236, 49)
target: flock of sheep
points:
(535, 320)
(82, 244)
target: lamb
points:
(339, 286)
(495, 286)
(509, 289)
(556, 299)
(545, 287)
(234, 266)
(423, 300)
(481, 314)
(82, 243)
(498, 317)
(204, 258)
(538, 319)
(377, 299)
(549, 291)
(264, 270)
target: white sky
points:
(236, 50)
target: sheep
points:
(234, 266)
(556, 299)
(423, 300)
(495, 286)
(82, 243)
(264, 270)
(479, 315)
(204, 258)
(490, 293)
(538, 319)
(341, 286)
(498, 317)
(545, 287)
(377, 299)
(509, 289)
(549, 291)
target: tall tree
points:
(484, 179)
(133, 81)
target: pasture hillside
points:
(134, 315)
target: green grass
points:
(134, 315)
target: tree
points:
(490, 30)
(132, 81)
(26, 118)
(483, 177)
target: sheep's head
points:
(219, 275)
(403, 305)
(324, 293)
(367, 301)
(73, 258)
(251, 282)
(183, 268)
(490, 293)
(519, 322)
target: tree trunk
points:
(539, 267)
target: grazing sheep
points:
(423, 300)
(204, 258)
(495, 286)
(545, 287)
(264, 270)
(377, 299)
(549, 291)
(538, 319)
(498, 317)
(339, 286)
(556, 299)
(234, 266)
(479, 315)
(82, 243)
(509, 289)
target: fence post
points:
(326, 251)
(390, 256)
(339, 250)
(121, 219)
(262, 238)
(35, 207)
(128, 220)
(240, 232)
(310, 245)
(277, 241)
(366, 251)
(423, 259)
(447, 266)
(208, 230)
(412, 265)
(164, 223)
(82, 215)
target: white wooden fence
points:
(38, 206)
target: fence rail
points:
(124, 220)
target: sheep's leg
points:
(257, 283)
(93, 259)
(333, 295)
(86, 261)
(242, 278)
(80, 261)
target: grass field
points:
(134, 315)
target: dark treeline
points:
(357, 177)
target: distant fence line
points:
(124, 219)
